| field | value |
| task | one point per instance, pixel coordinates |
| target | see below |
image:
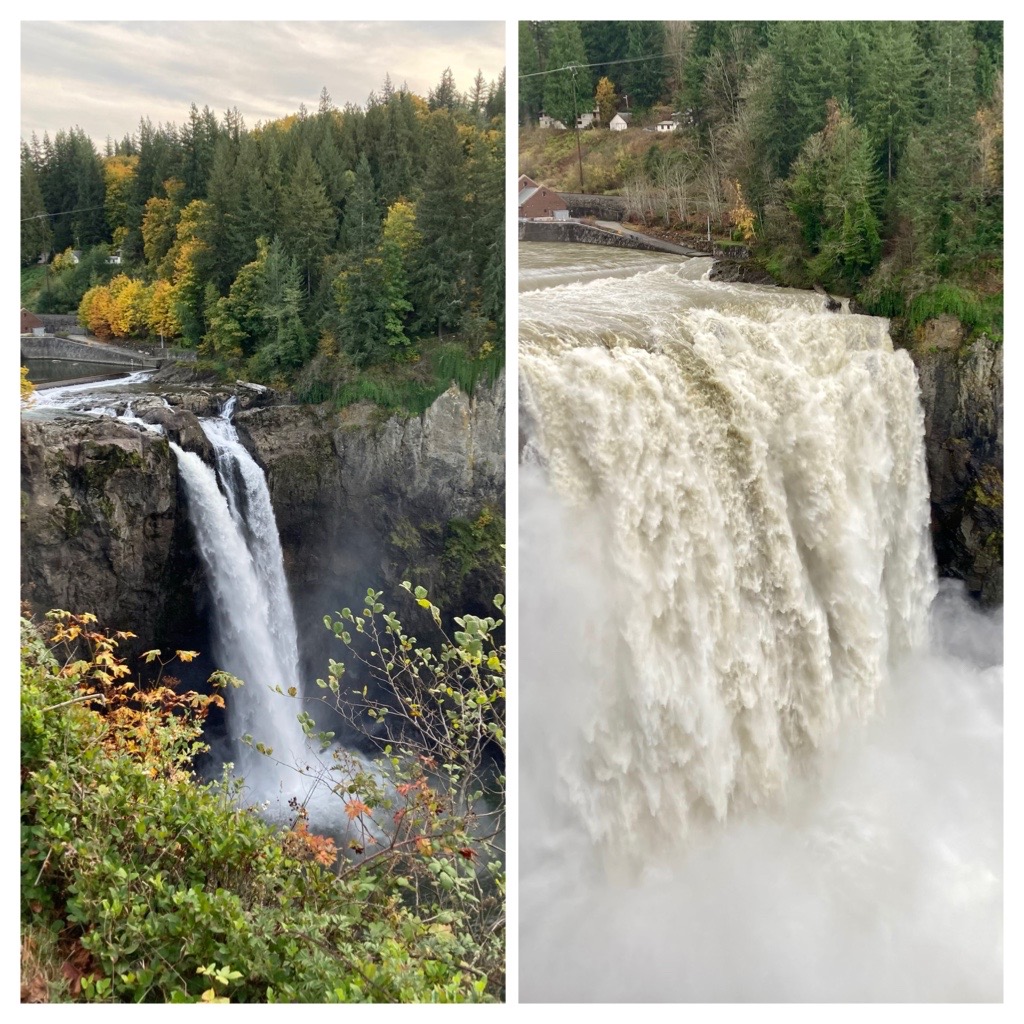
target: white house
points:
(549, 122)
(620, 122)
(115, 257)
(669, 125)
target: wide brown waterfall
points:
(750, 770)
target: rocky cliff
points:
(361, 499)
(103, 527)
(962, 393)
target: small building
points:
(620, 122)
(536, 201)
(549, 122)
(588, 118)
(115, 257)
(668, 125)
(30, 323)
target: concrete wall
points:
(60, 323)
(574, 231)
(601, 207)
(60, 348)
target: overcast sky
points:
(104, 76)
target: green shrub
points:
(160, 888)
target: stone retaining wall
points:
(46, 347)
(574, 231)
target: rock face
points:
(741, 271)
(363, 499)
(962, 394)
(103, 525)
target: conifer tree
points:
(360, 229)
(308, 221)
(35, 229)
(441, 217)
(566, 50)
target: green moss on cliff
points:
(477, 544)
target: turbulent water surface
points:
(747, 771)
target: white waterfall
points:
(725, 566)
(254, 633)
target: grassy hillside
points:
(32, 280)
(609, 158)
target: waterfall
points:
(726, 564)
(254, 634)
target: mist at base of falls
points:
(875, 876)
(761, 747)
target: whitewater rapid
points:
(726, 585)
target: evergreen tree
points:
(531, 84)
(561, 97)
(360, 229)
(495, 106)
(939, 184)
(284, 344)
(372, 292)
(35, 228)
(477, 95)
(605, 44)
(225, 199)
(308, 222)
(891, 96)
(644, 78)
(445, 96)
(443, 261)
(834, 188)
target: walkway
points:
(648, 240)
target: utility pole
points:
(573, 68)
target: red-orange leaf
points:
(354, 808)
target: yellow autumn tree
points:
(63, 261)
(27, 388)
(400, 226)
(118, 180)
(94, 311)
(605, 100)
(189, 260)
(130, 301)
(160, 318)
(741, 215)
(159, 224)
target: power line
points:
(605, 63)
(62, 213)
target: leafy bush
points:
(155, 887)
(429, 813)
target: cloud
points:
(105, 76)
